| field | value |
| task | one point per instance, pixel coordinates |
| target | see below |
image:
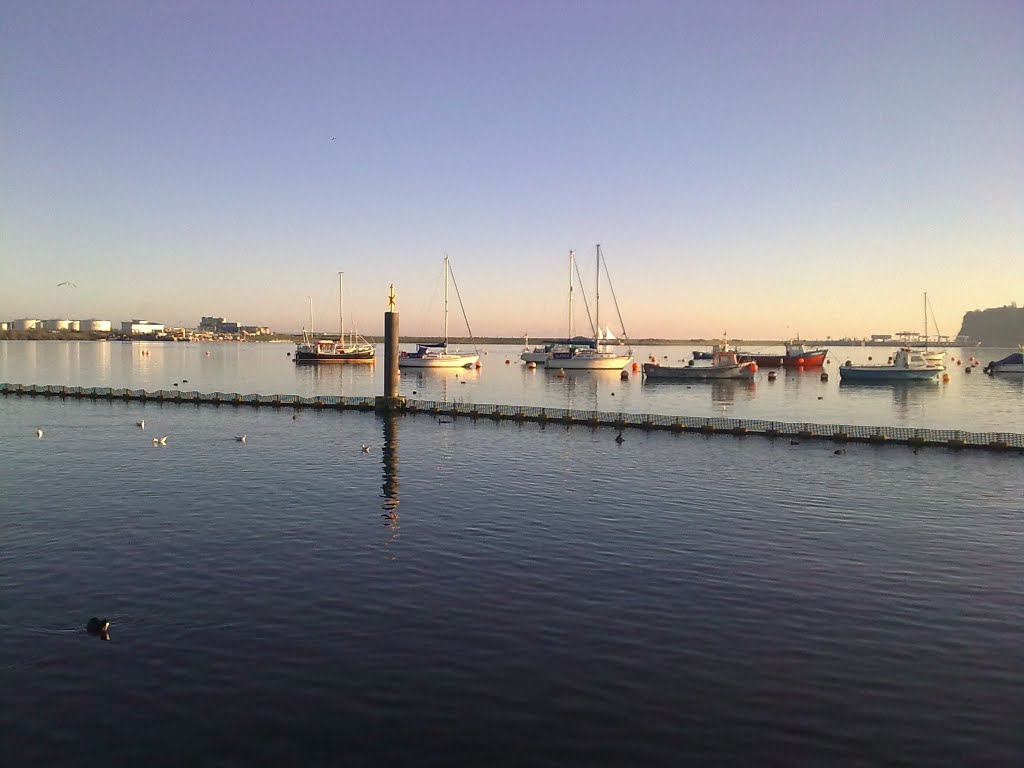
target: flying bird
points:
(67, 282)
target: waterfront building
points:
(136, 327)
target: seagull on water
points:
(160, 440)
(620, 439)
(366, 449)
(141, 424)
(241, 438)
(39, 433)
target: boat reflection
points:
(335, 379)
(723, 391)
(435, 383)
(905, 394)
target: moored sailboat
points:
(436, 354)
(355, 349)
(596, 356)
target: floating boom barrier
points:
(706, 425)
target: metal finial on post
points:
(391, 299)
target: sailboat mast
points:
(926, 319)
(341, 310)
(311, 333)
(572, 263)
(446, 298)
(597, 298)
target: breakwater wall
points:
(708, 425)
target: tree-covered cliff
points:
(998, 327)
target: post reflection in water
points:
(389, 488)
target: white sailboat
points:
(436, 355)
(355, 349)
(597, 356)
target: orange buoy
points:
(636, 367)
(753, 367)
(945, 378)
(477, 364)
(531, 365)
(799, 361)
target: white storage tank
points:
(24, 324)
(74, 325)
(101, 326)
(5, 326)
(56, 325)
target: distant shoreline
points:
(40, 335)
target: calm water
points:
(547, 597)
(973, 402)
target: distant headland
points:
(996, 327)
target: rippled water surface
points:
(546, 597)
(969, 401)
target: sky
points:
(755, 169)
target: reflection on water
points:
(905, 394)
(968, 401)
(389, 488)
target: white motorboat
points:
(724, 365)
(906, 365)
(1010, 364)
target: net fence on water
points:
(705, 424)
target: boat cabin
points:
(908, 358)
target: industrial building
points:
(96, 326)
(24, 324)
(139, 327)
(57, 325)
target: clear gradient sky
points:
(759, 168)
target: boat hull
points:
(763, 361)
(534, 357)
(306, 358)
(439, 361)
(1011, 364)
(887, 373)
(814, 358)
(698, 372)
(580, 363)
